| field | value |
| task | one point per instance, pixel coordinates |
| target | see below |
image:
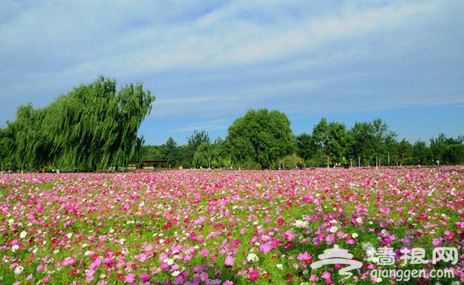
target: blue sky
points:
(208, 62)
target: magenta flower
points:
(254, 275)
(145, 277)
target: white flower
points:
(333, 229)
(280, 266)
(354, 235)
(252, 257)
(175, 273)
(23, 234)
(14, 248)
(301, 224)
(378, 280)
(359, 220)
(18, 270)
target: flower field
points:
(228, 227)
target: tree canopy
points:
(260, 138)
(93, 126)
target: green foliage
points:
(260, 138)
(93, 126)
(305, 146)
(421, 153)
(447, 150)
(332, 138)
(170, 152)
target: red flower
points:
(74, 272)
(120, 276)
(280, 222)
(411, 226)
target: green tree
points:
(92, 126)
(170, 152)
(337, 142)
(381, 138)
(260, 138)
(360, 138)
(421, 153)
(305, 147)
(6, 147)
(193, 142)
(456, 154)
(152, 152)
(203, 155)
(402, 151)
(332, 138)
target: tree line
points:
(263, 139)
(94, 127)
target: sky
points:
(209, 62)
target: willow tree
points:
(95, 126)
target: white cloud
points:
(215, 60)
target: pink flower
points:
(305, 257)
(253, 275)
(129, 278)
(204, 252)
(330, 239)
(437, 242)
(325, 275)
(148, 248)
(289, 235)
(265, 248)
(145, 277)
(69, 261)
(203, 276)
(229, 261)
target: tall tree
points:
(260, 137)
(170, 152)
(203, 155)
(337, 141)
(92, 126)
(360, 140)
(421, 153)
(381, 138)
(321, 137)
(332, 138)
(305, 147)
(401, 151)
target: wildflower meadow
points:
(230, 227)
